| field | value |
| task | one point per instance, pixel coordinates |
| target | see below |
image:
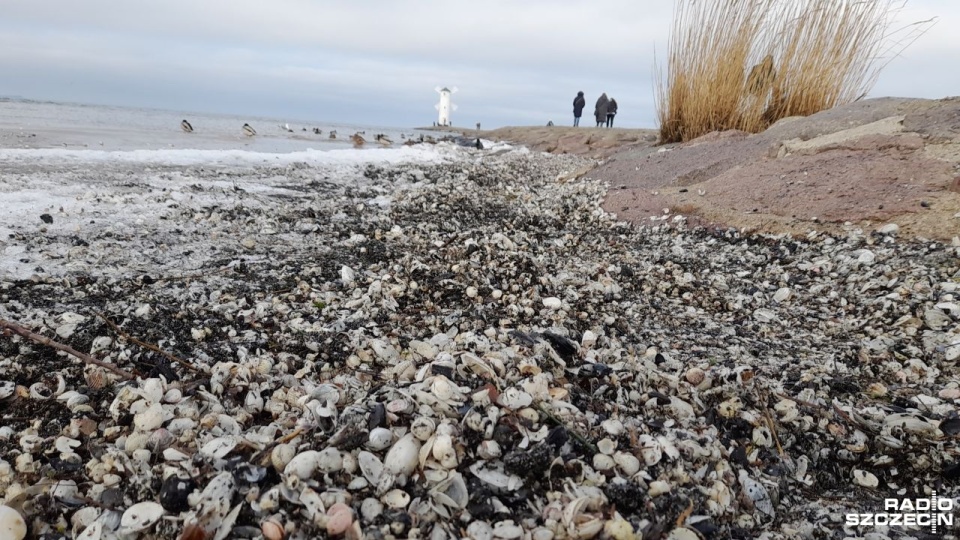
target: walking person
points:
(600, 112)
(611, 112)
(578, 104)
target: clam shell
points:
(12, 524)
(379, 439)
(402, 458)
(396, 499)
(339, 519)
(140, 516)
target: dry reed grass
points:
(803, 56)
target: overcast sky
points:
(377, 62)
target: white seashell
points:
(865, 478)
(173, 455)
(396, 499)
(480, 530)
(7, 389)
(329, 460)
(347, 274)
(588, 340)
(552, 302)
(603, 462)
(444, 451)
(370, 509)
(140, 516)
(613, 427)
(218, 447)
(12, 524)
(730, 408)
(489, 449)
(379, 439)
(400, 406)
(514, 398)
(782, 295)
(423, 427)
(650, 449)
(65, 445)
(151, 390)
(757, 493)
(149, 419)
(402, 458)
(303, 465)
(683, 533)
(607, 446)
(618, 529)
(628, 463)
(370, 466)
(506, 530)
(452, 492)
(659, 487)
(173, 396)
(281, 455)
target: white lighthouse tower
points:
(445, 106)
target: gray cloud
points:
(377, 62)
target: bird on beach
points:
(185, 126)
(357, 139)
(248, 131)
(383, 139)
(317, 131)
(333, 134)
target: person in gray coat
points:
(601, 111)
(578, 104)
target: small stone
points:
(889, 228)
(46, 218)
(865, 478)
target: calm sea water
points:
(33, 124)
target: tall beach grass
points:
(744, 64)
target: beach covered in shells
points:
(445, 342)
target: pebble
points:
(12, 524)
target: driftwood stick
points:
(146, 345)
(43, 340)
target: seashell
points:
(607, 446)
(444, 451)
(140, 516)
(552, 302)
(683, 533)
(628, 463)
(603, 462)
(370, 466)
(7, 389)
(339, 519)
(730, 408)
(96, 377)
(303, 465)
(402, 458)
(218, 447)
(695, 376)
(506, 530)
(151, 390)
(65, 445)
(755, 491)
(588, 340)
(379, 439)
(659, 487)
(514, 398)
(950, 392)
(12, 524)
(479, 530)
(396, 499)
(489, 449)
(272, 530)
(370, 509)
(400, 406)
(613, 427)
(452, 492)
(329, 460)
(149, 419)
(281, 455)
(865, 478)
(650, 449)
(423, 427)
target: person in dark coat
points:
(601, 111)
(611, 112)
(578, 104)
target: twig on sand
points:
(43, 340)
(146, 345)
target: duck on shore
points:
(248, 130)
(383, 139)
(333, 134)
(186, 127)
(357, 139)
